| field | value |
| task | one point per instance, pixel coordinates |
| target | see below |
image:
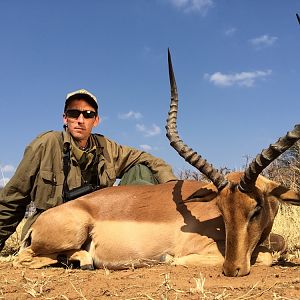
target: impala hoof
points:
(275, 243)
(166, 258)
(87, 267)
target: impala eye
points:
(255, 213)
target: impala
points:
(181, 222)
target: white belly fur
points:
(118, 245)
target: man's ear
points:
(97, 121)
(65, 119)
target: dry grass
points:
(35, 287)
(286, 170)
(167, 290)
(12, 245)
(287, 224)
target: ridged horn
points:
(268, 155)
(183, 150)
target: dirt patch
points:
(159, 282)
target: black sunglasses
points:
(75, 113)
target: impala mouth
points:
(236, 271)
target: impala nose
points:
(231, 273)
(232, 270)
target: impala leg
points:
(84, 258)
(262, 256)
(27, 258)
(198, 260)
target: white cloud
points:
(8, 169)
(3, 174)
(230, 31)
(130, 115)
(148, 131)
(242, 79)
(4, 181)
(146, 147)
(200, 6)
(263, 41)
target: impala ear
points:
(286, 195)
(280, 192)
(205, 194)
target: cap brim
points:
(86, 97)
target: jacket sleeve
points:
(15, 196)
(125, 157)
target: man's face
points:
(80, 127)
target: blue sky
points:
(237, 66)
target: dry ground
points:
(159, 282)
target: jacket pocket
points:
(49, 189)
(108, 177)
(50, 181)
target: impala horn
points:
(263, 159)
(183, 150)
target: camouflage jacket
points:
(39, 177)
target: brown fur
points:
(126, 226)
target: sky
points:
(236, 62)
